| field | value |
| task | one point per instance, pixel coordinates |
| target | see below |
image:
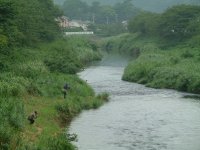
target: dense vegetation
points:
(103, 20)
(168, 48)
(98, 13)
(35, 63)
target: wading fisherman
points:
(64, 90)
(32, 117)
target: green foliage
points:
(177, 68)
(25, 22)
(75, 105)
(107, 30)
(75, 9)
(129, 44)
(3, 41)
(100, 14)
(12, 85)
(8, 29)
(69, 56)
(125, 10)
(37, 25)
(36, 70)
(176, 24)
(60, 143)
(144, 23)
(12, 119)
(28, 74)
(75, 29)
(103, 96)
(153, 5)
(31, 69)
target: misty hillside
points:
(161, 5)
(153, 5)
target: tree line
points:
(176, 24)
(98, 13)
(26, 22)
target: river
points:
(136, 117)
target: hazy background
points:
(150, 5)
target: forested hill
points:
(153, 5)
(161, 5)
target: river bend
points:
(137, 117)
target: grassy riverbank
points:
(166, 49)
(33, 80)
(176, 67)
(35, 63)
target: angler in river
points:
(137, 117)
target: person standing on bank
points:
(65, 88)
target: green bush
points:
(164, 77)
(40, 72)
(70, 55)
(177, 69)
(75, 104)
(11, 89)
(16, 86)
(31, 69)
(12, 120)
(60, 143)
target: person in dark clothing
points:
(32, 117)
(65, 88)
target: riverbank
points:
(136, 117)
(33, 80)
(174, 67)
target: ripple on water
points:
(136, 118)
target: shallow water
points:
(136, 118)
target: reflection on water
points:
(136, 118)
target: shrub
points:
(11, 89)
(60, 143)
(69, 56)
(31, 69)
(12, 120)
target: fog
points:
(149, 5)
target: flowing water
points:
(137, 117)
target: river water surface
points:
(137, 117)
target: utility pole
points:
(93, 18)
(107, 19)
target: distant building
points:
(63, 21)
(125, 23)
(78, 24)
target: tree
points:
(125, 10)
(107, 14)
(36, 20)
(8, 30)
(145, 23)
(95, 11)
(174, 22)
(75, 9)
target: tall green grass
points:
(175, 68)
(75, 104)
(41, 72)
(12, 118)
(70, 55)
